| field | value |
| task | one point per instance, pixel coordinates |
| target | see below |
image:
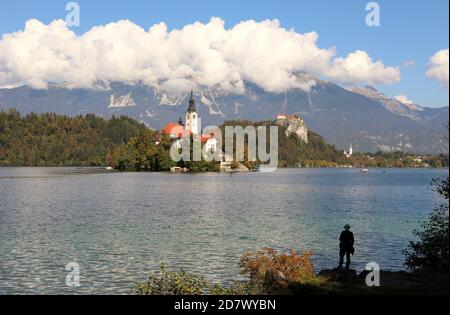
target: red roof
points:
(175, 130)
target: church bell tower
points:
(192, 117)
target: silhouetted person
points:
(346, 246)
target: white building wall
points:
(192, 123)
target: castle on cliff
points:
(295, 124)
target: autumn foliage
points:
(294, 266)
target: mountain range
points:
(362, 116)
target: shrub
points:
(432, 248)
(294, 266)
(173, 283)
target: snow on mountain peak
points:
(121, 101)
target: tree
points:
(432, 248)
(55, 140)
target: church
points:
(192, 117)
(190, 126)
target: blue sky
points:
(410, 30)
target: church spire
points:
(191, 108)
(192, 119)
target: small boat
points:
(364, 170)
(256, 169)
(177, 170)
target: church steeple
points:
(191, 108)
(192, 119)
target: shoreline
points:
(341, 282)
(168, 171)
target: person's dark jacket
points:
(346, 242)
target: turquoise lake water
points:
(119, 227)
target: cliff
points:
(294, 124)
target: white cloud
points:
(404, 99)
(197, 55)
(438, 68)
(358, 67)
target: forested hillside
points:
(54, 140)
(123, 143)
(294, 152)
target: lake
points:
(119, 227)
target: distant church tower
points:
(192, 117)
(349, 154)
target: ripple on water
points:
(120, 227)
